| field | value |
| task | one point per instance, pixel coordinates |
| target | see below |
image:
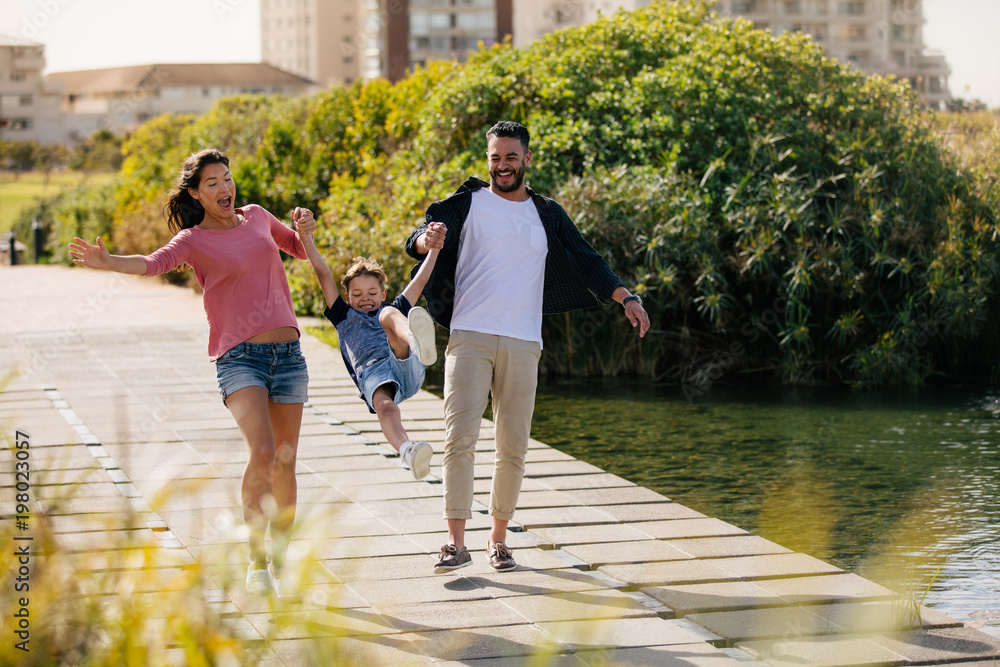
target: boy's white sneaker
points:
(422, 335)
(417, 457)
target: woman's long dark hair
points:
(182, 210)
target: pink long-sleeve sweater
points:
(240, 270)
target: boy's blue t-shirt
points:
(362, 339)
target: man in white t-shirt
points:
(509, 255)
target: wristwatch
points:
(632, 297)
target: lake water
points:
(901, 488)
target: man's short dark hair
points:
(508, 128)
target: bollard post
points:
(13, 249)
(38, 233)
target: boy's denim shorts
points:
(406, 375)
(279, 368)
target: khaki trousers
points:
(477, 365)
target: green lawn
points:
(19, 193)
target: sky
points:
(86, 34)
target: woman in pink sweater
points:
(253, 334)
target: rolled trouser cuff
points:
(502, 516)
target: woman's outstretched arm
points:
(98, 257)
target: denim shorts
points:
(279, 368)
(406, 375)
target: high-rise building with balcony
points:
(320, 40)
(338, 41)
(875, 36)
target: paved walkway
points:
(131, 445)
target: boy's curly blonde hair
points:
(363, 266)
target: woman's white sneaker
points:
(258, 580)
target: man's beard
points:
(515, 185)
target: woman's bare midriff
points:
(279, 335)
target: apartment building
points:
(340, 41)
(321, 40)
(29, 104)
(120, 99)
(877, 36)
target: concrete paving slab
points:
(382, 475)
(276, 625)
(335, 500)
(396, 650)
(650, 512)
(616, 496)
(431, 530)
(329, 596)
(105, 540)
(881, 616)
(404, 507)
(577, 606)
(620, 553)
(682, 655)
(720, 547)
(571, 467)
(827, 588)
(675, 529)
(639, 575)
(560, 660)
(486, 642)
(940, 645)
(106, 522)
(525, 581)
(764, 623)
(579, 515)
(363, 547)
(536, 499)
(776, 565)
(722, 596)
(482, 486)
(392, 491)
(112, 505)
(381, 568)
(825, 651)
(368, 461)
(629, 632)
(472, 613)
(424, 588)
(546, 454)
(560, 536)
(595, 481)
(134, 558)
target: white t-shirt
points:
(501, 269)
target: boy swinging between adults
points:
(509, 255)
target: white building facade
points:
(30, 104)
(119, 99)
